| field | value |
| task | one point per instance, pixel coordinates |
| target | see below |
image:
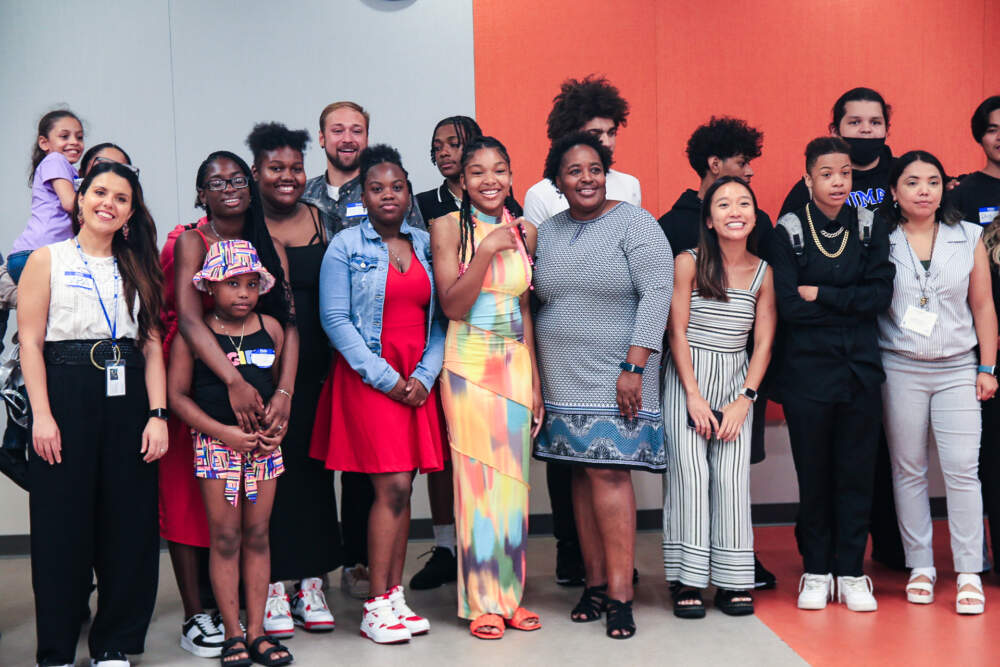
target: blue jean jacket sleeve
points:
(335, 315)
(430, 363)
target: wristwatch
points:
(749, 393)
(159, 413)
(991, 370)
(631, 368)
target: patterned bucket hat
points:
(226, 259)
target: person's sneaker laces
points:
(380, 624)
(354, 581)
(277, 613)
(856, 592)
(201, 637)
(815, 590)
(309, 608)
(441, 568)
(417, 625)
(111, 659)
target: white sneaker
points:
(417, 625)
(856, 592)
(380, 624)
(354, 581)
(201, 637)
(815, 590)
(309, 607)
(277, 613)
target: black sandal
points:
(620, 619)
(681, 593)
(266, 657)
(592, 603)
(726, 601)
(229, 649)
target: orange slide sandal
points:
(522, 620)
(487, 621)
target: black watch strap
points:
(160, 413)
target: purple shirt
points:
(49, 221)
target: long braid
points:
(466, 231)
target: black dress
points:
(305, 535)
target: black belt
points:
(93, 353)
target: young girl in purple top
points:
(57, 149)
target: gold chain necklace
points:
(238, 348)
(812, 229)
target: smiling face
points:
(487, 178)
(918, 190)
(236, 296)
(230, 201)
(604, 129)
(447, 147)
(344, 136)
(829, 179)
(66, 137)
(862, 119)
(732, 212)
(281, 175)
(106, 205)
(991, 139)
(386, 194)
(581, 179)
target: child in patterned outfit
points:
(227, 458)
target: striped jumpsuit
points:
(707, 533)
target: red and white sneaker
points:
(309, 608)
(380, 624)
(417, 625)
(277, 613)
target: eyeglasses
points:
(219, 184)
(101, 158)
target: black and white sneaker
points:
(441, 568)
(201, 637)
(110, 659)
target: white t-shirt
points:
(542, 200)
(333, 191)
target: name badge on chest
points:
(919, 321)
(114, 379)
(987, 214)
(355, 210)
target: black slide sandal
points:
(681, 593)
(266, 657)
(726, 602)
(235, 646)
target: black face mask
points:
(864, 151)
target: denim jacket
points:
(346, 211)
(351, 295)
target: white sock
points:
(444, 536)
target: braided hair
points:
(466, 227)
(466, 129)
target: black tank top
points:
(254, 361)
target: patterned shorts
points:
(214, 460)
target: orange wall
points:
(779, 64)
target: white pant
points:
(942, 395)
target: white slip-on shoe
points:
(417, 625)
(309, 608)
(978, 605)
(278, 613)
(815, 590)
(856, 593)
(380, 624)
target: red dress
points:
(182, 510)
(360, 429)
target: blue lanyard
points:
(112, 325)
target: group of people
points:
(344, 323)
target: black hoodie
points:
(682, 223)
(868, 188)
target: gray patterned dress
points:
(603, 285)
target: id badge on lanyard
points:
(114, 372)
(114, 379)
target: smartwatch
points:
(159, 413)
(991, 370)
(749, 393)
(631, 368)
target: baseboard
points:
(764, 514)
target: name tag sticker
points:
(114, 380)
(356, 209)
(77, 279)
(987, 214)
(919, 321)
(261, 358)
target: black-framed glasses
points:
(101, 158)
(219, 184)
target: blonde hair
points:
(330, 108)
(991, 239)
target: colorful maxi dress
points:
(486, 395)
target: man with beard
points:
(343, 134)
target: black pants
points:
(357, 495)
(887, 544)
(559, 477)
(95, 510)
(834, 447)
(989, 473)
